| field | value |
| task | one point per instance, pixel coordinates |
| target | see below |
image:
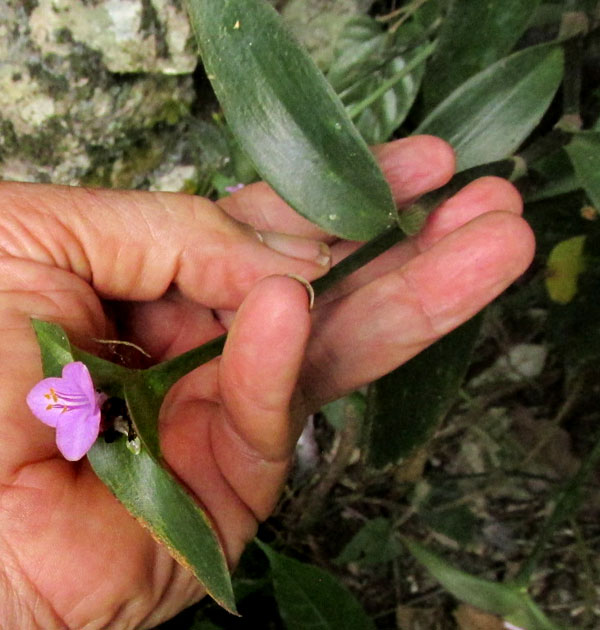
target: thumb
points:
(258, 373)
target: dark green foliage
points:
(406, 406)
(473, 36)
(374, 543)
(270, 91)
(489, 116)
(492, 89)
(310, 597)
(366, 58)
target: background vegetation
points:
(485, 447)
(461, 491)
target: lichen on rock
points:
(130, 35)
(85, 86)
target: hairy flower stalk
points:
(72, 406)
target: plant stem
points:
(565, 505)
(164, 375)
(359, 108)
(574, 26)
(358, 258)
(545, 145)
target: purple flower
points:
(234, 188)
(72, 406)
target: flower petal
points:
(76, 373)
(39, 403)
(76, 431)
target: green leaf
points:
(428, 14)
(54, 346)
(490, 115)
(458, 523)
(372, 73)
(154, 497)
(374, 543)
(441, 506)
(548, 14)
(289, 120)
(565, 264)
(584, 152)
(143, 405)
(57, 351)
(557, 177)
(473, 36)
(336, 412)
(492, 597)
(573, 327)
(309, 597)
(358, 52)
(144, 390)
(514, 605)
(406, 406)
(396, 88)
(317, 25)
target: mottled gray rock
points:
(100, 92)
(91, 92)
(130, 35)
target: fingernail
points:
(307, 285)
(297, 247)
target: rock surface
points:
(106, 92)
(89, 90)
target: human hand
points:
(169, 272)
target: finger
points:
(134, 244)
(232, 443)
(397, 315)
(258, 373)
(415, 165)
(412, 166)
(250, 439)
(175, 324)
(167, 327)
(487, 194)
(186, 434)
(260, 206)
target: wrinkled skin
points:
(176, 271)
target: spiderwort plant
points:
(352, 200)
(130, 465)
(72, 406)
